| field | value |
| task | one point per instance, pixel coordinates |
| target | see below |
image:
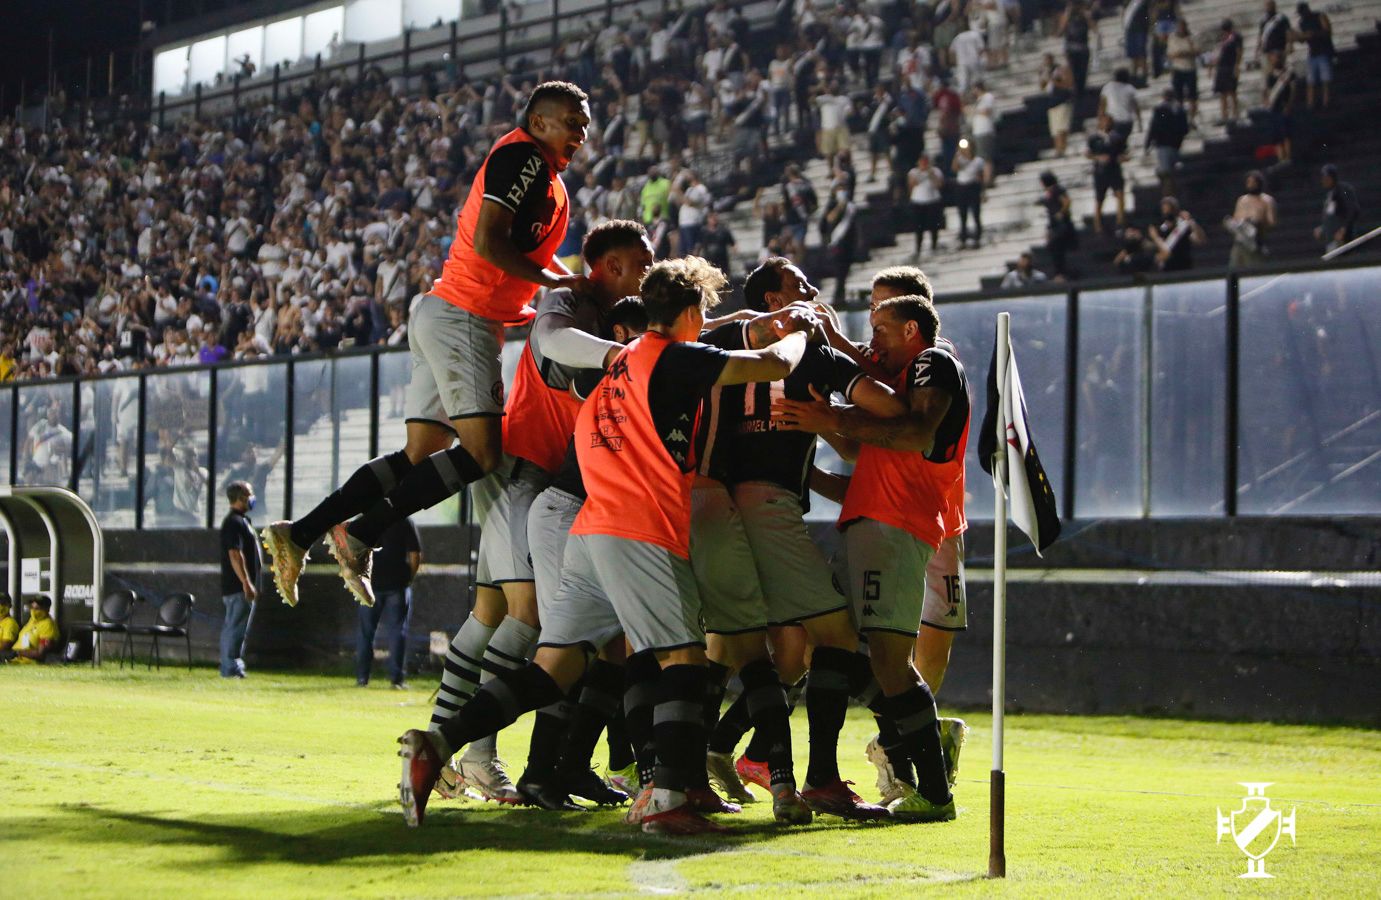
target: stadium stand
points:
(309, 224)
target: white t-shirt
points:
(779, 73)
(834, 110)
(926, 190)
(970, 172)
(967, 48)
(983, 114)
(694, 206)
(1121, 101)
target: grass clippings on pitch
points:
(182, 784)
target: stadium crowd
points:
(311, 225)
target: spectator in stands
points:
(1075, 26)
(1024, 274)
(1227, 69)
(1169, 125)
(968, 170)
(1176, 237)
(983, 129)
(1107, 147)
(37, 638)
(1341, 210)
(879, 118)
(693, 202)
(1137, 255)
(1250, 224)
(1118, 101)
(1279, 97)
(240, 567)
(1164, 14)
(1316, 32)
(841, 242)
(1272, 36)
(1136, 29)
(395, 566)
(1184, 67)
(716, 243)
(9, 628)
(799, 203)
(950, 106)
(925, 184)
(1058, 83)
(834, 107)
(970, 58)
(1060, 233)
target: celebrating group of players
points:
(642, 497)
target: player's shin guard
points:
(768, 711)
(461, 676)
(827, 703)
(508, 650)
(918, 723)
(499, 704)
(678, 727)
(621, 754)
(643, 673)
(365, 487)
(597, 701)
(428, 483)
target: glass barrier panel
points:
(1188, 399)
(6, 434)
(251, 431)
(1038, 342)
(395, 370)
(45, 435)
(1110, 425)
(109, 440)
(176, 449)
(330, 426)
(1310, 397)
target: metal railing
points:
(1200, 395)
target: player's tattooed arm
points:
(914, 431)
(830, 485)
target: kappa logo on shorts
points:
(497, 392)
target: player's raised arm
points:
(771, 363)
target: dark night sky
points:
(80, 28)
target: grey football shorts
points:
(946, 599)
(886, 576)
(611, 584)
(456, 368)
(794, 575)
(504, 553)
(723, 563)
(548, 527)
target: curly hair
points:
(676, 284)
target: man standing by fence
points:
(240, 565)
(395, 566)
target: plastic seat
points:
(116, 610)
(173, 617)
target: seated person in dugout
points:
(9, 628)
(38, 636)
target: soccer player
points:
(506, 237)
(767, 471)
(893, 518)
(946, 594)
(540, 418)
(564, 734)
(626, 564)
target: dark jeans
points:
(238, 612)
(969, 199)
(396, 607)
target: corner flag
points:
(1005, 446)
(1032, 500)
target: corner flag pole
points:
(997, 853)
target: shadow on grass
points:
(323, 836)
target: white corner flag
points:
(1006, 449)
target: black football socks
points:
(770, 717)
(918, 723)
(429, 482)
(827, 704)
(369, 484)
(499, 704)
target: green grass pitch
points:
(178, 784)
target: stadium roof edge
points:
(184, 30)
